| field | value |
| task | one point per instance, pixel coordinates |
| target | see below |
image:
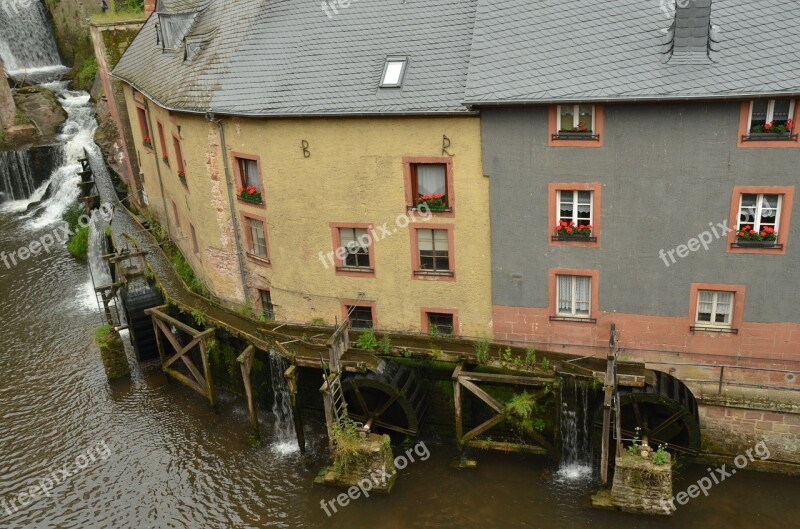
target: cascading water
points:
(576, 446)
(16, 176)
(27, 46)
(101, 274)
(284, 434)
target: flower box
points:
(755, 244)
(433, 202)
(568, 231)
(771, 136)
(183, 180)
(165, 159)
(574, 238)
(147, 142)
(249, 194)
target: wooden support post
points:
(291, 383)
(212, 394)
(246, 363)
(328, 405)
(457, 405)
(610, 389)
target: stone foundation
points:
(640, 486)
(374, 462)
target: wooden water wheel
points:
(390, 399)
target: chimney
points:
(149, 7)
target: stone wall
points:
(640, 486)
(728, 431)
(71, 28)
(7, 108)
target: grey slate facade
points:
(666, 170)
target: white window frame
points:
(356, 249)
(575, 112)
(393, 60)
(714, 303)
(573, 297)
(254, 248)
(759, 207)
(575, 205)
(770, 112)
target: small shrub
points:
(386, 344)
(634, 446)
(71, 216)
(319, 322)
(78, 245)
(346, 443)
(199, 317)
(86, 75)
(545, 364)
(530, 357)
(506, 356)
(660, 456)
(102, 335)
(367, 340)
(482, 351)
(521, 405)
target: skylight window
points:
(393, 72)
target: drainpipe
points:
(153, 142)
(231, 202)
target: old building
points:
(631, 150)
(288, 147)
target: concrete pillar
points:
(8, 110)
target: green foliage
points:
(186, 273)
(436, 352)
(386, 344)
(521, 405)
(72, 215)
(346, 443)
(21, 119)
(506, 356)
(482, 350)
(634, 446)
(530, 357)
(156, 229)
(545, 364)
(102, 336)
(87, 73)
(135, 6)
(319, 322)
(367, 340)
(78, 245)
(434, 332)
(660, 456)
(199, 317)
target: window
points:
(714, 308)
(267, 309)
(393, 72)
(175, 213)
(176, 143)
(575, 118)
(440, 323)
(759, 211)
(195, 247)
(429, 181)
(142, 115)
(256, 237)
(769, 114)
(434, 251)
(163, 143)
(360, 316)
(574, 296)
(575, 207)
(429, 185)
(355, 243)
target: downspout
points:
(231, 202)
(158, 165)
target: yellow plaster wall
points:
(354, 174)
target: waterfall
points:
(101, 274)
(283, 433)
(16, 176)
(576, 446)
(27, 46)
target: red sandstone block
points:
(792, 418)
(713, 411)
(753, 415)
(795, 429)
(763, 425)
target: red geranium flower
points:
(768, 126)
(569, 230)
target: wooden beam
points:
(457, 403)
(212, 395)
(485, 397)
(507, 447)
(245, 364)
(494, 378)
(191, 331)
(494, 421)
(180, 377)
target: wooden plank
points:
(507, 379)
(245, 363)
(485, 397)
(507, 447)
(191, 331)
(457, 402)
(457, 371)
(180, 377)
(212, 395)
(494, 421)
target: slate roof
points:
(539, 51)
(288, 57)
